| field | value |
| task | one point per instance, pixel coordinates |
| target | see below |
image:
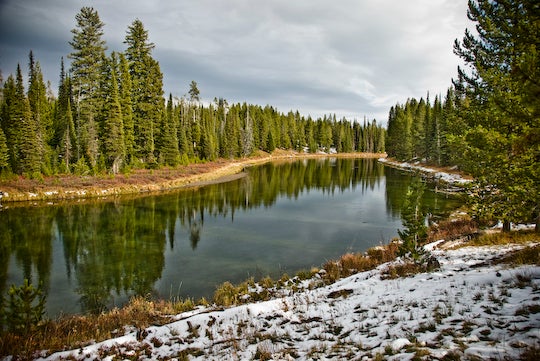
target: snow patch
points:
(400, 343)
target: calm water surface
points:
(280, 217)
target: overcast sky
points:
(354, 58)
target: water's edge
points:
(220, 171)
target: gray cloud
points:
(348, 57)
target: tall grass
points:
(70, 332)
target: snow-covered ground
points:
(450, 178)
(469, 308)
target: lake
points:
(278, 218)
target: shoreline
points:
(450, 176)
(70, 187)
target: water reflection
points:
(292, 214)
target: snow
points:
(515, 226)
(469, 307)
(449, 178)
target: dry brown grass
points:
(352, 263)
(70, 332)
(452, 229)
(403, 270)
(527, 255)
(504, 238)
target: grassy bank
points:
(21, 189)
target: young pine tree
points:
(414, 217)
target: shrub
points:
(414, 216)
(227, 294)
(452, 229)
(25, 308)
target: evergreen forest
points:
(110, 115)
(488, 123)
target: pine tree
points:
(501, 146)
(27, 131)
(9, 122)
(86, 71)
(434, 132)
(147, 91)
(67, 140)
(64, 140)
(448, 117)
(169, 151)
(26, 307)
(194, 93)
(39, 106)
(246, 132)
(127, 108)
(4, 152)
(113, 127)
(414, 217)
(418, 132)
(312, 143)
(399, 136)
(428, 126)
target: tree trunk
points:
(506, 226)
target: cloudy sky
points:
(354, 58)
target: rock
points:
(400, 343)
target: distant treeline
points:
(418, 130)
(111, 115)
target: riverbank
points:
(63, 187)
(448, 175)
(482, 303)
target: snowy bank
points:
(453, 179)
(470, 308)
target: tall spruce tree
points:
(127, 108)
(67, 138)
(64, 140)
(8, 122)
(147, 91)
(113, 126)
(86, 71)
(40, 108)
(501, 146)
(169, 151)
(26, 130)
